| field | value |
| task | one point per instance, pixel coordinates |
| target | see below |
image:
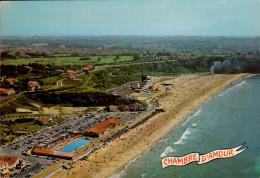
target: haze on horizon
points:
(132, 18)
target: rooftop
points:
(41, 151)
(44, 120)
(9, 159)
(2, 162)
(6, 89)
(21, 131)
(33, 83)
(113, 107)
(11, 79)
(69, 71)
(102, 126)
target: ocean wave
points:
(235, 87)
(167, 150)
(193, 125)
(125, 167)
(183, 137)
(162, 140)
(143, 175)
(195, 114)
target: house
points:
(88, 67)
(137, 107)
(3, 167)
(6, 91)
(11, 160)
(71, 77)
(44, 121)
(33, 85)
(28, 68)
(70, 72)
(10, 81)
(113, 108)
(125, 108)
(99, 129)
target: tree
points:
(136, 57)
(85, 58)
(99, 59)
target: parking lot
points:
(35, 163)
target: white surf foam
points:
(194, 124)
(123, 171)
(143, 175)
(162, 140)
(167, 150)
(195, 114)
(183, 137)
(234, 88)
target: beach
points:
(189, 92)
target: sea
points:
(228, 119)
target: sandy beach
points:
(189, 92)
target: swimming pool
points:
(74, 145)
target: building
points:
(3, 166)
(137, 107)
(6, 91)
(146, 84)
(11, 160)
(21, 132)
(71, 77)
(135, 85)
(57, 154)
(10, 81)
(113, 108)
(28, 68)
(88, 67)
(125, 108)
(70, 72)
(44, 121)
(33, 85)
(99, 129)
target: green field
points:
(66, 60)
(50, 81)
(30, 126)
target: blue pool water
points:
(74, 145)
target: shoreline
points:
(178, 109)
(122, 168)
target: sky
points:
(130, 17)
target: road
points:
(58, 85)
(11, 96)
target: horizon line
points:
(235, 36)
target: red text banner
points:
(201, 159)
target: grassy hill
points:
(90, 89)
